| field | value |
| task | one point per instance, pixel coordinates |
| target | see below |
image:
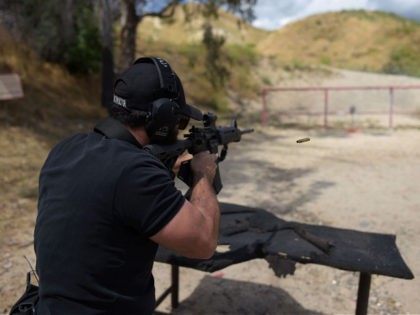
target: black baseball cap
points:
(147, 80)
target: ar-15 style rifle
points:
(197, 140)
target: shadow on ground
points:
(276, 189)
(226, 296)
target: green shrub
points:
(193, 53)
(242, 54)
(325, 60)
(85, 54)
(266, 80)
(404, 60)
(217, 101)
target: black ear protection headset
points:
(164, 113)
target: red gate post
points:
(326, 108)
(264, 107)
(391, 107)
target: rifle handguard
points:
(208, 138)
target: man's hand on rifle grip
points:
(204, 164)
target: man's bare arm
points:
(194, 230)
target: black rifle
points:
(207, 138)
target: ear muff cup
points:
(162, 119)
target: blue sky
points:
(272, 14)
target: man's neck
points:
(140, 134)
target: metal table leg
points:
(175, 286)
(363, 293)
(173, 290)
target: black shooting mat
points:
(256, 233)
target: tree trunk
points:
(67, 22)
(107, 55)
(128, 34)
(107, 77)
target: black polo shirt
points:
(100, 200)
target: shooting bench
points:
(256, 233)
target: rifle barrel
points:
(247, 130)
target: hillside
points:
(356, 39)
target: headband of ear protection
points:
(162, 117)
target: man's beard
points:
(172, 136)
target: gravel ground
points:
(367, 181)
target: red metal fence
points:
(326, 92)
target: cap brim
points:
(192, 112)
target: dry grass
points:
(21, 157)
(22, 154)
(357, 40)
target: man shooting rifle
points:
(106, 203)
